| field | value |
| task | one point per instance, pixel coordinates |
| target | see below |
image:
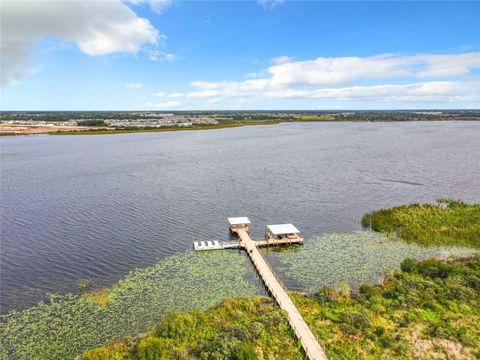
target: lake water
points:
(75, 207)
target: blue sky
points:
(182, 55)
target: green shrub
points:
(245, 352)
(152, 348)
(409, 265)
(379, 331)
(359, 320)
(367, 292)
(325, 295)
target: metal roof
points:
(282, 229)
(238, 220)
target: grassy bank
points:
(427, 310)
(449, 222)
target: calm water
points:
(96, 207)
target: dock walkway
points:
(310, 344)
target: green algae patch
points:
(352, 258)
(449, 222)
(66, 325)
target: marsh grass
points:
(448, 222)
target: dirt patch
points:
(438, 348)
(13, 129)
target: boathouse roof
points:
(238, 220)
(282, 229)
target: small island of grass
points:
(449, 222)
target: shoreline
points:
(45, 130)
(110, 131)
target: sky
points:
(239, 55)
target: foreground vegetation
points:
(448, 222)
(426, 310)
(233, 329)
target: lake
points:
(76, 207)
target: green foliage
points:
(429, 310)
(325, 295)
(448, 222)
(94, 122)
(408, 265)
(67, 325)
(367, 292)
(355, 320)
(233, 329)
(416, 314)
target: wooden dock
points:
(215, 245)
(312, 348)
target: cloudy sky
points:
(183, 55)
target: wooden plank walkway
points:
(310, 344)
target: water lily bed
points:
(67, 325)
(352, 258)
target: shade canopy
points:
(283, 229)
(238, 220)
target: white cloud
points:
(252, 75)
(160, 94)
(176, 95)
(214, 101)
(167, 105)
(414, 92)
(281, 60)
(97, 27)
(467, 90)
(134, 86)
(207, 105)
(346, 70)
(157, 6)
(444, 78)
(270, 4)
(203, 94)
(158, 55)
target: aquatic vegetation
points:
(233, 329)
(67, 325)
(428, 310)
(351, 258)
(101, 296)
(449, 222)
(85, 284)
